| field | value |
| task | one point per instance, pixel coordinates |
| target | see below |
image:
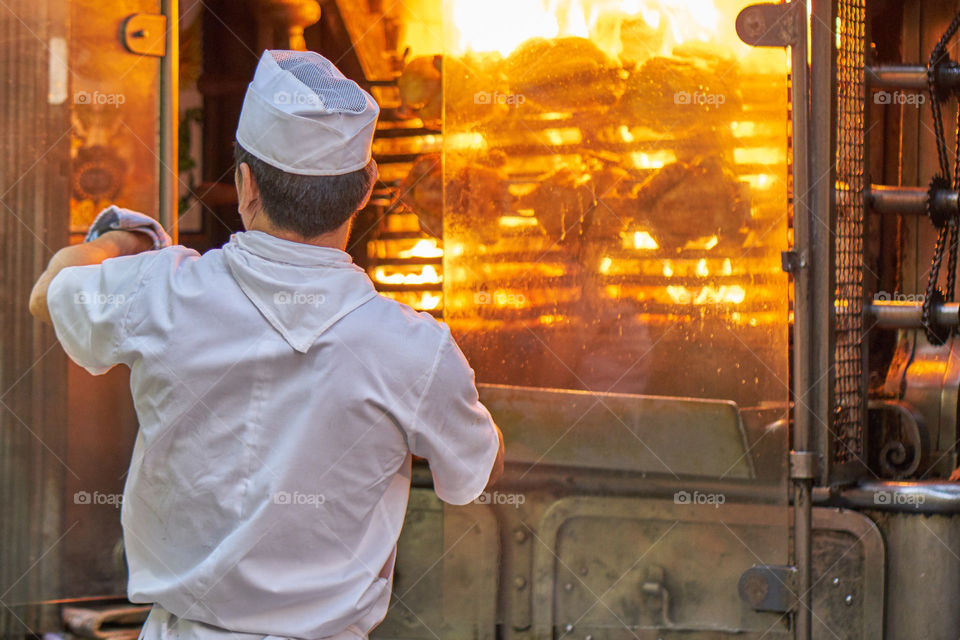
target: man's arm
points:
(497, 470)
(110, 245)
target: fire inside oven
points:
(610, 201)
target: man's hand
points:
(955, 476)
(110, 245)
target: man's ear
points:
(248, 191)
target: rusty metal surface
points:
(445, 582)
(569, 550)
(674, 436)
(923, 573)
(594, 549)
(114, 114)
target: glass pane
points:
(615, 203)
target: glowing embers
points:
(733, 294)
(424, 248)
(428, 301)
(407, 275)
(419, 300)
(642, 240)
(692, 280)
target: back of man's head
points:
(308, 206)
(306, 132)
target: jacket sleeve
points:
(452, 429)
(90, 305)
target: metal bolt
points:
(836, 582)
(849, 600)
(520, 535)
(520, 582)
(568, 587)
(568, 628)
(583, 571)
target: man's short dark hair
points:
(308, 205)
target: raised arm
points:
(110, 245)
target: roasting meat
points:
(563, 74)
(682, 202)
(478, 189)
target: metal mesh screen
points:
(848, 392)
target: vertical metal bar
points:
(803, 327)
(169, 120)
(822, 158)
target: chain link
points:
(937, 57)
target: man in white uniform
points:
(279, 396)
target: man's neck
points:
(336, 239)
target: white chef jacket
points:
(279, 399)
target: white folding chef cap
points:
(301, 115)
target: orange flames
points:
(482, 27)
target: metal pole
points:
(912, 77)
(908, 315)
(169, 119)
(910, 200)
(809, 243)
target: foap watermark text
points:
(699, 98)
(699, 497)
(98, 98)
(892, 499)
(114, 500)
(899, 98)
(495, 97)
(496, 497)
(298, 499)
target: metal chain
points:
(936, 57)
(954, 230)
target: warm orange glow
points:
(428, 275)
(429, 301)
(517, 221)
(733, 294)
(654, 160)
(759, 155)
(643, 240)
(704, 244)
(500, 26)
(424, 248)
(568, 135)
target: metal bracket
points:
(792, 261)
(768, 25)
(803, 465)
(768, 588)
(654, 586)
(145, 34)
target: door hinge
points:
(768, 588)
(145, 34)
(803, 465)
